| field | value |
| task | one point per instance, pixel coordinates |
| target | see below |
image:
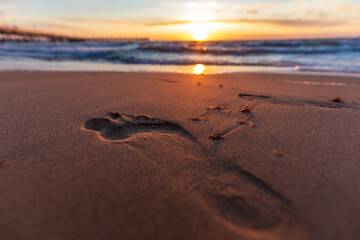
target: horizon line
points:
(25, 30)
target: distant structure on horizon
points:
(18, 35)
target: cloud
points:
(7, 5)
(348, 8)
(314, 20)
(60, 28)
(94, 20)
(281, 22)
(254, 9)
(317, 13)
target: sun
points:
(199, 30)
(202, 31)
(200, 36)
(201, 27)
(198, 69)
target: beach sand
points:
(90, 155)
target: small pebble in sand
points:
(114, 114)
(217, 107)
(245, 109)
(3, 163)
(198, 119)
(246, 123)
(337, 100)
(216, 136)
(278, 153)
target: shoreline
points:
(32, 65)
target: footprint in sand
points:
(230, 193)
(242, 198)
(296, 101)
(121, 127)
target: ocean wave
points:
(328, 54)
(255, 47)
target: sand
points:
(172, 156)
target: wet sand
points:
(89, 155)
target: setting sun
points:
(201, 31)
(200, 36)
(198, 69)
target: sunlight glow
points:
(201, 31)
(198, 69)
(200, 36)
(200, 17)
(201, 25)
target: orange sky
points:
(187, 20)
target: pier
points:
(17, 35)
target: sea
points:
(301, 55)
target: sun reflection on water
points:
(198, 69)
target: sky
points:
(187, 20)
